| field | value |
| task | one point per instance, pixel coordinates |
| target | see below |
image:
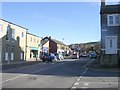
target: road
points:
(70, 73)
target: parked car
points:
(59, 56)
(93, 54)
(47, 57)
(53, 56)
(74, 56)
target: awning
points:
(34, 48)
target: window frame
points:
(114, 19)
(22, 34)
(8, 33)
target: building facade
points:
(12, 42)
(110, 33)
(33, 46)
(53, 46)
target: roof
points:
(110, 9)
(32, 34)
(14, 24)
(46, 39)
(58, 42)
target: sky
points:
(69, 22)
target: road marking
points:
(73, 87)
(14, 78)
(76, 83)
(78, 80)
(87, 64)
(86, 84)
(32, 72)
(83, 87)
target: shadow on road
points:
(68, 69)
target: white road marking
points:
(32, 72)
(83, 87)
(76, 83)
(78, 80)
(73, 87)
(14, 78)
(86, 84)
(87, 63)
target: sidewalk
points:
(6, 66)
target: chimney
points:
(49, 37)
(102, 3)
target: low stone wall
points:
(109, 60)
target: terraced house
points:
(33, 46)
(110, 33)
(54, 46)
(12, 42)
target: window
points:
(37, 41)
(13, 35)
(12, 53)
(6, 49)
(0, 28)
(117, 20)
(31, 39)
(34, 40)
(12, 50)
(23, 34)
(113, 20)
(8, 33)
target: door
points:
(111, 44)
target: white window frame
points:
(114, 19)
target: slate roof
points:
(110, 9)
(46, 39)
(58, 42)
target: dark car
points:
(93, 55)
(47, 57)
